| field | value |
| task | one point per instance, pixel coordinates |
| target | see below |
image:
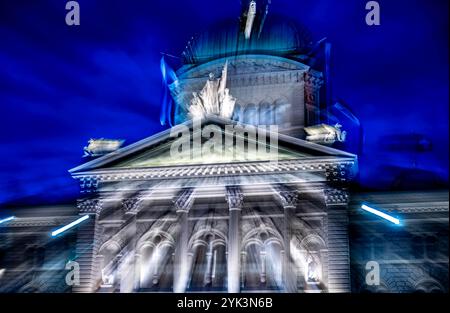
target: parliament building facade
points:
(239, 224)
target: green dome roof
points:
(278, 37)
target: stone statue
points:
(214, 98)
(325, 134)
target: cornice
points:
(334, 169)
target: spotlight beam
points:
(381, 214)
(7, 219)
(68, 226)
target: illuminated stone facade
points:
(236, 226)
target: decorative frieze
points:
(247, 65)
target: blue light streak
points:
(68, 226)
(7, 219)
(391, 219)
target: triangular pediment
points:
(165, 148)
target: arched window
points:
(208, 263)
(262, 260)
(238, 113)
(164, 280)
(314, 268)
(154, 262)
(436, 290)
(108, 258)
(254, 265)
(146, 266)
(251, 115)
(199, 268)
(274, 268)
(309, 259)
(428, 285)
(265, 114)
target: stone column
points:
(137, 272)
(214, 267)
(263, 277)
(243, 263)
(190, 263)
(131, 207)
(235, 199)
(209, 266)
(88, 241)
(338, 243)
(183, 204)
(119, 281)
(289, 201)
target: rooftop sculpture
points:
(214, 98)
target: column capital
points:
(184, 200)
(287, 197)
(335, 196)
(131, 205)
(90, 206)
(234, 198)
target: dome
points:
(279, 36)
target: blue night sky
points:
(61, 86)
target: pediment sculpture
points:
(214, 98)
